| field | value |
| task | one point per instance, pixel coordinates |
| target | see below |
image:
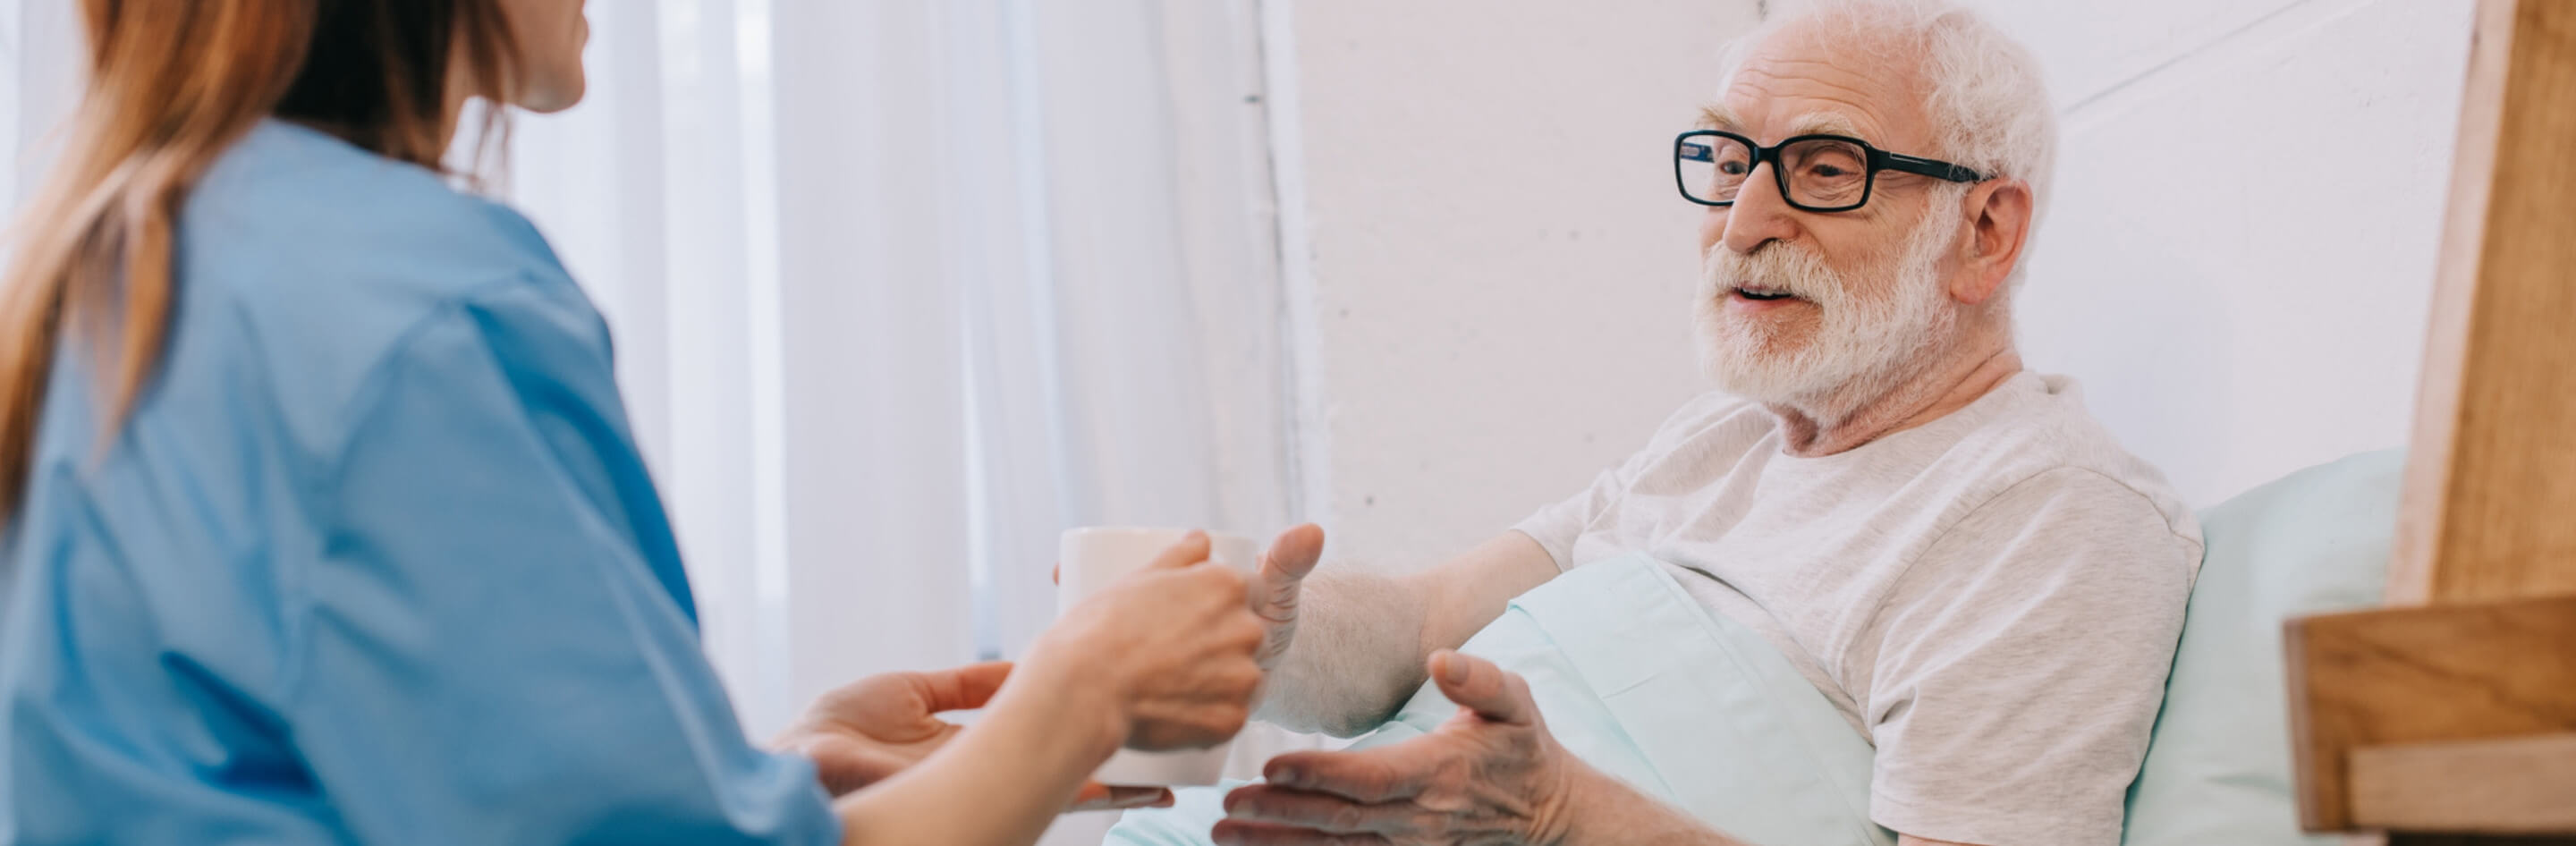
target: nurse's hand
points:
(1276, 586)
(1168, 649)
(871, 729)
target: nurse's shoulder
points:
(328, 260)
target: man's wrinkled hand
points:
(1277, 585)
(869, 730)
(1490, 775)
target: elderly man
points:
(1946, 545)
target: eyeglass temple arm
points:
(1934, 168)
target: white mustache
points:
(1779, 267)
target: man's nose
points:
(1760, 215)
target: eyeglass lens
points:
(1823, 172)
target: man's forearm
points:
(1356, 658)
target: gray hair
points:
(1989, 109)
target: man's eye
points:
(1732, 168)
(1828, 171)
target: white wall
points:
(2236, 266)
(1498, 272)
(2250, 197)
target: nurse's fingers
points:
(1101, 797)
(964, 688)
(1191, 550)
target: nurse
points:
(324, 523)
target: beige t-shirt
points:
(1992, 599)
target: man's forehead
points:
(1815, 80)
(1719, 115)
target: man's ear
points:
(1998, 216)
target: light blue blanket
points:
(1637, 680)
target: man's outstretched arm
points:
(1348, 648)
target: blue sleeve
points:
(489, 650)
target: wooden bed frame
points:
(2450, 716)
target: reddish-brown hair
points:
(171, 85)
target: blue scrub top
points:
(375, 559)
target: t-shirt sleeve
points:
(487, 653)
(1558, 525)
(2021, 663)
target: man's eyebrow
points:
(1718, 116)
(1823, 123)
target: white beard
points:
(1862, 346)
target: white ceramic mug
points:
(1089, 559)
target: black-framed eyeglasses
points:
(1817, 173)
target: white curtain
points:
(904, 287)
(39, 79)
